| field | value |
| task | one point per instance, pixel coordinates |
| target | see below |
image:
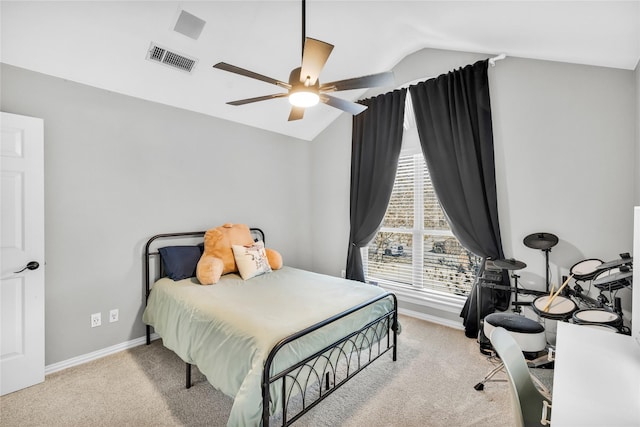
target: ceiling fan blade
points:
(343, 104)
(257, 99)
(314, 56)
(296, 113)
(237, 70)
(373, 80)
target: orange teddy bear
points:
(218, 259)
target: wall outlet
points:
(343, 273)
(96, 320)
(113, 315)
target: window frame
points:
(433, 298)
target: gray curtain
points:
(375, 149)
(453, 117)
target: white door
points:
(22, 238)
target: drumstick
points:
(546, 307)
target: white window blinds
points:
(415, 247)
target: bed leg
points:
(148, 334)
(395, 328)
(395, 345)
(188, 376)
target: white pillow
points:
(251, 260)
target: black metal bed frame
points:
(331, 367)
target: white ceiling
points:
(104, 44)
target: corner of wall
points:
(637, 162)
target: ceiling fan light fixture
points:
(304, 98)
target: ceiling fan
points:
(304, 88)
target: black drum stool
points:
(528, 333)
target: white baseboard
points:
(433, 319)
(79, 360)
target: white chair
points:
(531, 406)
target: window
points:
(415, 248)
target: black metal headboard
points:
(256, 233)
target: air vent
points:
(170, 58)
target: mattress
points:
(228, 329)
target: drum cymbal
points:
(541, 241)
(612, 278)
(615, 263)
(509, 264)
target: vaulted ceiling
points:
(105, 44)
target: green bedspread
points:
(229, 328)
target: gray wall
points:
(637, 176)
(330, 181)
(119, 170)
(565, 138)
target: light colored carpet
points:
(431, 384)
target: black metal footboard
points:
(302, 384)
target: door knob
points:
(32, 265)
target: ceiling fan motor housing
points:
(296, 81)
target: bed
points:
(279, 343)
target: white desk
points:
(596, 381)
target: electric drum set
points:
(573, 304)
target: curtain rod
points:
(492, 61)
